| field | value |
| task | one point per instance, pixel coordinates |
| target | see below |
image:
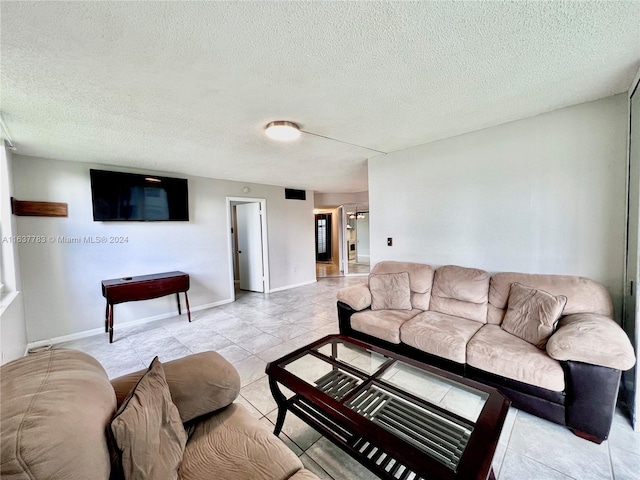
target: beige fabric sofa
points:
(455, 321)
(56, 407)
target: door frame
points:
(634, 397)
(265, 241)
(341, 240)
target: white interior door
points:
(250, 247)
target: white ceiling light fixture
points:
(282, 130)
(286, 131)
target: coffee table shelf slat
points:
(422, 427)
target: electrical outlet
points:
(389, 242)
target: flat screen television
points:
(119, 196)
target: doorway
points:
(356, 237)
(328, 243)
(248, 252)
(323, 237)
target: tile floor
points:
(259, 328)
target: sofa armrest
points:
(591, 338)
(357, 297)
(200, 383)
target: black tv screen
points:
(119, 196)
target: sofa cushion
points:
(383, 324)
(420, 279)
(55, 408)
(461, 292)
(583, 295)
(234, 445)
(592, 338)
(390, 291)
(440, 334)
(200, 383)
(495, 351)
(148, 431)
(532, 314)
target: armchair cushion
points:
(234, 445)
(390, 291)
(532, 314)
(591, 338)
(200, 383)
(357, 297)
(148, 431)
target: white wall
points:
(544, 195)
(13, 328)
(62, 290)
(332, 200)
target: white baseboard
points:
(132, 323)
(288, 287)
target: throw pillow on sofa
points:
(390, 291)
(148, 431)
(532, 314)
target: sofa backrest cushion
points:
(583, 295)
(460, 291)
(420, 279)
(55, 407)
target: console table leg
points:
(178, 298)
(110, 323)
(281, 401)
(186, 300)
(106, 318)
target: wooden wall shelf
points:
(25, 208)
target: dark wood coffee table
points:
(400, 418)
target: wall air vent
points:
(291, 194)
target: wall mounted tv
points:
(119, 196)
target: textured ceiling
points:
(188, 86)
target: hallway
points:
(331, 270)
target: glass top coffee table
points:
(400, 418)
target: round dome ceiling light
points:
(282, 130)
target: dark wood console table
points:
(143, 287)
